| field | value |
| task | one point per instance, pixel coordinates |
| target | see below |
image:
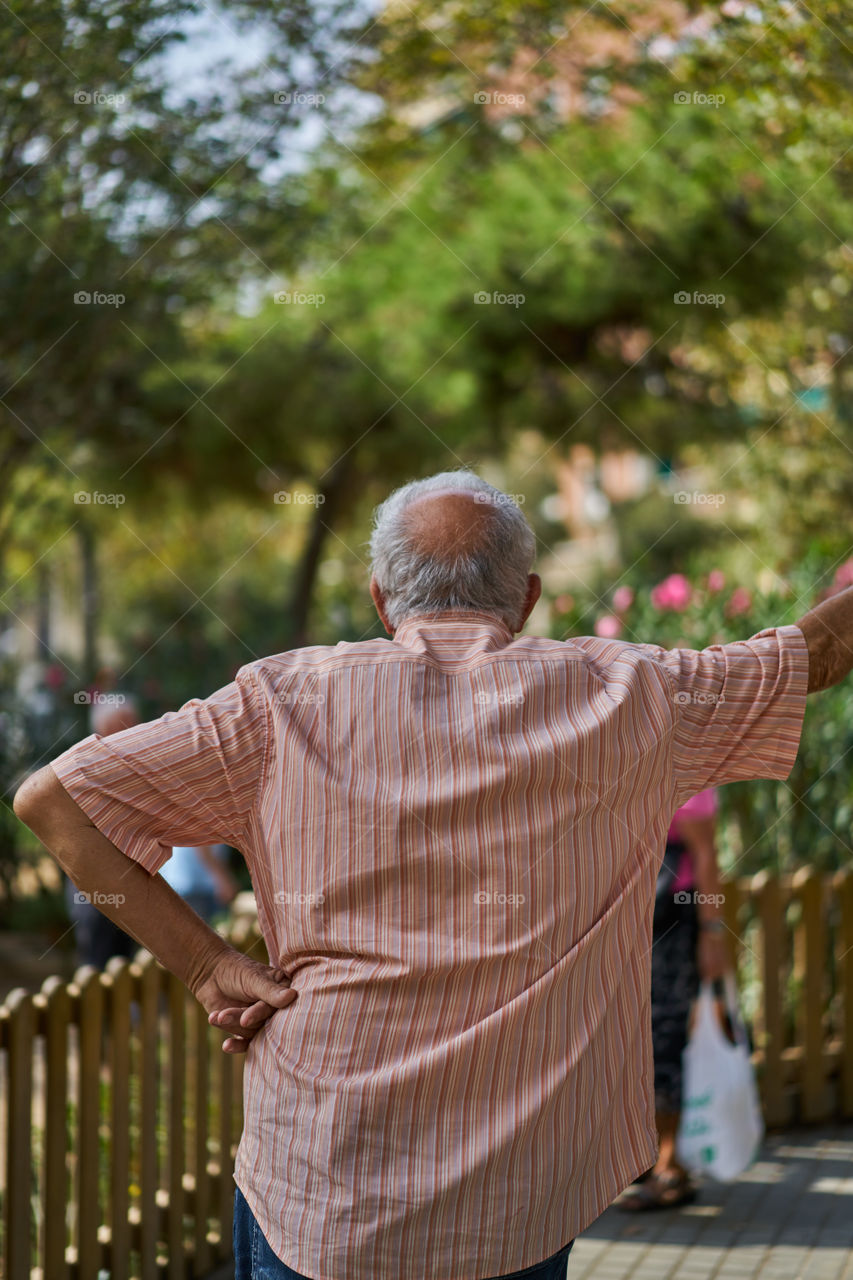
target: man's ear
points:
(378, 598)
(534, 591)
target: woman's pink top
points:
(703, 805)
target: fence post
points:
(225, 1179)
(57, 1016)
(201, 1105)
(176, 1142)
(149, 1082)
(21, 1032)
(769, 902)
(87, 982)
(843, 887)
(119, 985)
(732, 897)
(811, 950)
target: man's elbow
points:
(35, 799)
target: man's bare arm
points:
(828, 629)
(238, 993)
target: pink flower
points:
(564, 603)
(716, 580)
(608, 626)
(623, 598)
(740, 602)
(843, 575)
(54, 676)
(673, 593)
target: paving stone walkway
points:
(789, 1217)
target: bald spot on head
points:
(445, 524)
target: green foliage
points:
(117, 183)
(599, 198)
(598, 219)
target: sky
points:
(212, 38)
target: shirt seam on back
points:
(265, 763)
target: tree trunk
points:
(90, 600)
(43, 589)
(326, 514)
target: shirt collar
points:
(455, 628)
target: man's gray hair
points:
(489, 577)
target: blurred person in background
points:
(200, 874)
(688, 946)
(96, 938)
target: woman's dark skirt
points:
(675, 979)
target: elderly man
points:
(454, 837)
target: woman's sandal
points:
(658, 1191)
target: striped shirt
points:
(453, 838)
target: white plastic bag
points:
(721, 1124)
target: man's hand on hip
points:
(240, 995)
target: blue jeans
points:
(255, 1260)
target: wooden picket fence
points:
(119, 1113)
(792, 938)
(119, 1120)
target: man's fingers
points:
(275, 990)
(226, 1017)
(260, 1011)
(229, 1020)
(262, 992)
(235, 1044)
(251, 1018)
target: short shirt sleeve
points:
(192, 777)
(739, 708)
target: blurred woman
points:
(689, 944)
